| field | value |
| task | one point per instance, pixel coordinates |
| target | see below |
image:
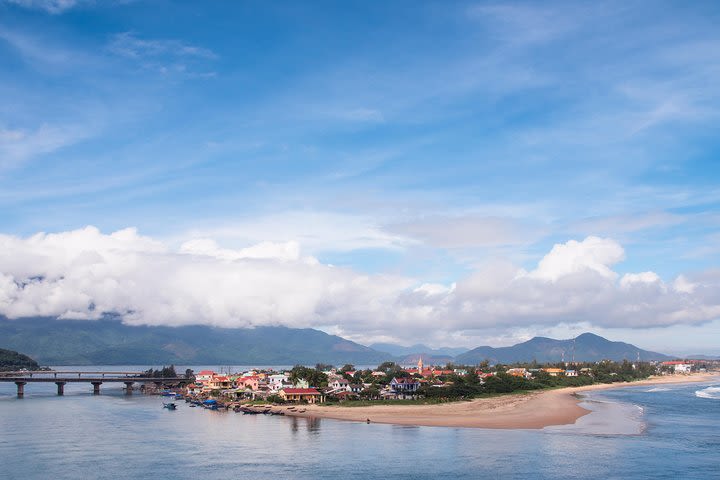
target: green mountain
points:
(110, 342)
(587, 347)
(11, 360)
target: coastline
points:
(532, 410)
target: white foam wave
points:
(710, 392)
(658, 389)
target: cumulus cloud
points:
(85, 273)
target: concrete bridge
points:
(95, 378)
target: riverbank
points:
(532, 410)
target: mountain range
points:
(110, 342)
(587, 347)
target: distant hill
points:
(11, 360)
(587, 347)
(402, 351)
(427, 359)
(110, 342)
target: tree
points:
(314, 377)
(348, 367)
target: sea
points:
(643, 432)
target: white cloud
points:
(315, 231)
(591, 255)
(85, 273)
(466, 231)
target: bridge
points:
(95, 378)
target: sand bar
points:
(531, 410)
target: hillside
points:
(110, 342)
(11, 360)
(586, 347)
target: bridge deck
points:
(92, 379)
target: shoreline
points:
(532, 410)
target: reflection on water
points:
(114, 436)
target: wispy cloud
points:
(50, 6)
(165, 56)
(18, 145)
(128, 44)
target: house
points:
(519, 372)
(571, 373)
(378, 374)
(553, 372)
(339, 384)
(404, 385)
(253, 382)
(355, 388)
(678, 366)
(218, 382)
(205, 375)
(194, 389)
(309, 395)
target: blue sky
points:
(423, 140)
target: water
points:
(639, 432)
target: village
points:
(389, 381)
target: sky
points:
(454, 173)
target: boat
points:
(169, 406)
(210, 404)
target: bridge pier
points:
(61, 388)
(128, 388)
(96, 387)
(20, 389)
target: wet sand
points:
(531, 410)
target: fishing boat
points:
(210, 404)
(169, 406)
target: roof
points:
(404, 380)
(302, 391)
(221, 379)
(207, 372)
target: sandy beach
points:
(531, 410)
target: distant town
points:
(392, 382)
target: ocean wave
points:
(710, 392)
(658, 389)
